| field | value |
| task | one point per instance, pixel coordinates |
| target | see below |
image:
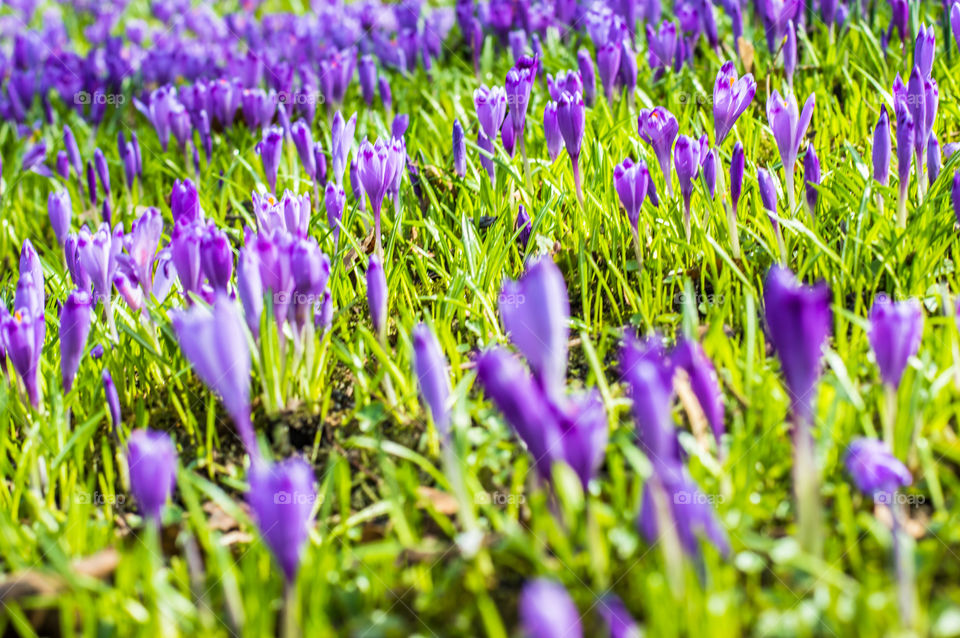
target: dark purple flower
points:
(688, 355)
(906, 134)
(798, 323)
(22, 335)
(571, 118)
(788, 126)
(216, 257)
(658, 128)
(955, 194)
(113, 401)
(924, 50)
(60, 211)
(768, 193)
(536, 314)
(508, 137)
(334, 200)
(894, 333)
(731, 97)
(881, 148)
(459, 150)
(617, 617)
(518, 86)
(433, 377)
(377, 296)
(811, 176)
(270, 149)
(185, 252)
(75, 317)
(875, 470)
(790, 52)
(551, 130)
(587, 76)
(486, 155)
(185, 202)
(608, 65)
(152, 463)
(708, 166)
(91, 183)
(686, 155)
(303, 141)
(73, 151)
(62, 164)
(546, 611)
(934, 160)
(737, 164)
(523, 225)
(632, 181)
(281, 499)
(215, 343)
(491, 107)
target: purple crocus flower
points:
(926, 47)
(75, 317)
(811, 176)
(91, 183)
(649, 377)
(686, 155)
(491, 107)
(459, 150)
(281, 498)
(875, 470)
(270, 149)
(367, 73)
(618, 619)
(536, 314)
(631, 181)
(881, 148)
(955, 22)
(689, 356)
(571, 118)
(518, 86)
(627, 76)
(141, 246)
(790, 52)
(894, 333)
(737, 165)
(250, 289)
(73, 151)
(433, 377)
(377, 168)
(906, 134)
(523, 225)
(152, 463)
(546, 611)
(214, 342)
(486, 155)
(22, 335)
(658, 128)
(934, 160)
(608, 65)
(98, 257)
(587, 76)
(798, 323)
(377, 296)
(508, 137)
(303, 141)
(955, 194)
(185, 251)
(334, 199)
(185, 202)
(60, 211)
(113, 400)
(662, 43)
(568, 81)
(551, 130)
(789, 126)
(216, 257)
(690, 511)
(62, 164)
(731, 97)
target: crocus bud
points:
(571, 118)
(618, 619)
(517, 40)
(608, 65)
(367, 74)
(281, 499)
(486, 158)
(22, 335)
(459, 150)
(63, 165)
(768, 193)
(185, 252)
(152, 463)
(811, 175)
(386, 97)
(75, 317)
(334, 199)
(955, 194)
(536, 314)
(433, 377)
(518, 86)
(686, 155)
(631, 181)
(524, 225)
(303, 141)
(60, 211)
(925, 49)
(905, 143)
(788, 126)
(113, 401)
(551, 130)
(934, 161)
(508, 137)
(875, 470)
(73, 151)
(216, 257)
(546, 611)
(690, 357)
(881, 148)
(92, 183)
(250, 289)
(399, 126)
(790, 52)
(377, 296)
(587, 76)
(270, 149)
(894, 333)
(731, 97)
(798, 323)
(214, 342)
(737, 164)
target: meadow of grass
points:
(389, 553)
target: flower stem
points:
(791, 196)
(889, 415)
(806, 488)
(637, 248)
(576, 179)
(903, 566)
